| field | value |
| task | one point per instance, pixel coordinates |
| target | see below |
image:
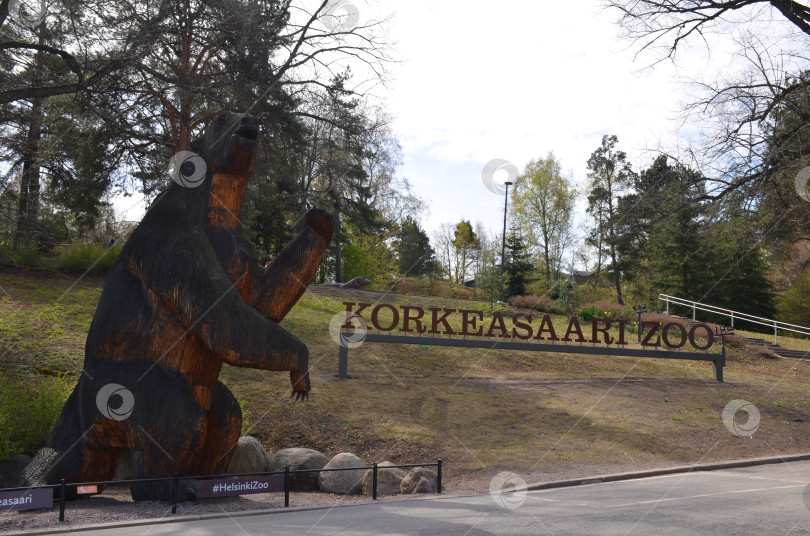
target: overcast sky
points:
(514, 80)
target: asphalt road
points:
(763, 500)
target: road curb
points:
(216, 515)
(714, 466)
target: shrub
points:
(587, 313)
(562, 307)
(604, 310)
(537, 303)
(613, 310)
(26, 418)
(538, 287)
(585, 293)
(87, 258)
(792, 306)
(22, 257)
(559, 288)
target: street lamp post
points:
(503, 246)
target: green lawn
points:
(538, 414)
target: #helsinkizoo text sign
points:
(434, 326)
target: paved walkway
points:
(763, 500)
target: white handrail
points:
(776, 324)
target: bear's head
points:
(222, 162)
(228, 144)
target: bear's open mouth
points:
(249, 132)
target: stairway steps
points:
(794, 354)
(752, 341)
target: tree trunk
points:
(339, 261)
(338, 240)
(613, 259)
(612, 237)
(28, 206)
(184, 119)
(616, 275)
(599, 254)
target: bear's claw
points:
(300, 395)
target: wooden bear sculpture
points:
(185, 296)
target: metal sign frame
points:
(719, 360)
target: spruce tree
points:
(517, 266)
(415, 255)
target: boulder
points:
(299, 459)
(249, 457)
(343, 482)
(389, 481)
(12, 470)
(419, 480)
(357, 282)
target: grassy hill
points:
(543, 416)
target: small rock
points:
(299, 459)
(343, 482)
(249, 457)
(419, 480)
(389, 481)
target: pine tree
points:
(610, 174)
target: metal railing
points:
(695, 306)
(284, 483)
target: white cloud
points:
(511, 80)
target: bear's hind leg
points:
(222, 434)
(158, 461)
(169, 430)
(100, 465)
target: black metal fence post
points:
(374, 482)
(286, 486)
(439, 476)
(719, 364)
(343, 357)
(639, 309)
(62, 500)
(174, 493)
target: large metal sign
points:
(499, 334)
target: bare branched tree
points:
(753, 120)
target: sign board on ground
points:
(416, 323)
(226, 487)
(84, 490)
(26, 500)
